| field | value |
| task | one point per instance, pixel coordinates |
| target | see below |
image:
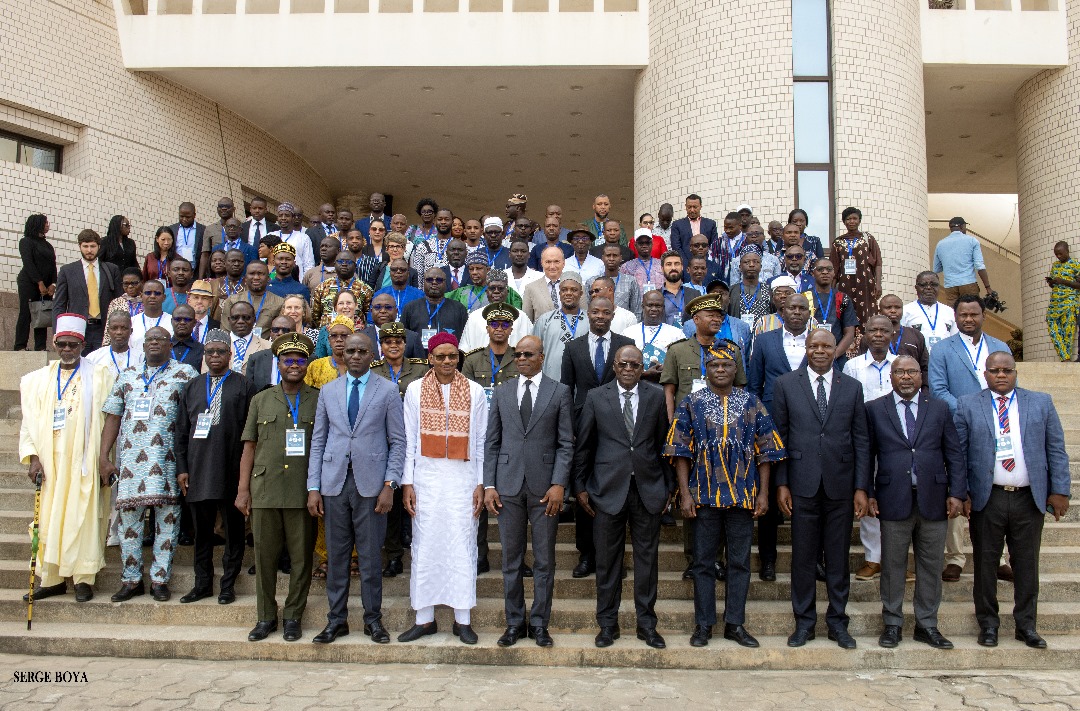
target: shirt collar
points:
(899, 399)
(968, 340)
(622, 390)
(88, 264)
(350, 379)
(788, 335)
(814, 376)
(535, 380)
(1007, 396)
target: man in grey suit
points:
(527, 459)
(359, 420)
(1017, 470)
(72, 295)
(622, 476)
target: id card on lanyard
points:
(205, 419)
(59, 412)
(144, 403)
(849, 262)
(295, 438)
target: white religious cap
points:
(744, 206)
(783, 280)
(491, 221)
(70, 325)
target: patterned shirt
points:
(322, 300)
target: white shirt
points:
(116, 362)
(813, 375)
(976, 354)
(519, 285)
(1019, 475)
(92, 266)
(594, 340)
(623, 320)
(305, 257)
(203, 326)
(251, 231)
(458, 273)
(795, 348)
(633, 400)
(660, 336)
(876, 378)
(934, 322)
(185, 241)
(588, 268)
(141, 323)
(534, 388)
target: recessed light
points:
(395, 155)
(416, 186)
(498, 88)
(507, 113)
(956, 87)
(382, 135)
(971, 172)
(521, 186)
(575, 113)
(517, 170)
(455, 155)
(368, 114)
(436, 113)
(514, 155)
(929, 112)
(542, 155)
(351, 88)
(575, 135)
(575, 155)
(573, 170)
(965, 135)
(446, 135)
(468, 186)
(511, 135)
(999, 155)
(939, 155)
(995, 114)
(427, 88)
(575, 87)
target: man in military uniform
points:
(402, 371)
(273, 485)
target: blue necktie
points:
(598, 362)
(354, 403)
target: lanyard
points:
(161, 268)
(186, 232)
(975, 360)
(932, 324)
(494, 368)
(824, 311)
(473, 297)
(261, 302)
(59, 392)
(240, 346)
(655, 334)
(181, 358)
(648, 269)
(432, 314)
(115, 364)
(734, 250)
(894, 347)
(439, 252)
(294, 410)
(176, 301)
(134, 308)
(146, 383)
(678, 305)
(746, 305)
(850, 243)
(229, 246)
(144, 328)
(399, 299)
(702, 362)
(229, 291)
(880, 370)
(394, 377)
(1001, 416)
(493, 257)
(211, 395)
(566, 324)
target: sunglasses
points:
(628, 365)
(153, 293)
(150, 339)
(276, 329)
(223, 206)
(434, 280)
(524, 354)
(399, 269)
(353, 351)
(503, 325)
(444, 357)
(383, 307)
(182, 319)
(215, 352)
(292, 362)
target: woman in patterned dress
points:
(857, 260)
(1064, 283)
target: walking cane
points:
(33, 553)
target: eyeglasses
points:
(504, 325)
(794, 255)
(150, 339)
(153, 293)
(275, 329)
(223, 206)
(68, 345)
(343, 262)
(215, 351)
(444, 357)
(292, 362)
(647, 223)
(182, 319)
(627, 365)
(434, 280)
(910, 373)
(398, 269)
(354, 351)
(524, 354)
(383, 307)
(823, 269)
(1001, 371)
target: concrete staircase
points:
(206, 630)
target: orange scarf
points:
(445, 435)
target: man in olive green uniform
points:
(273, 485)
(395, 367)
(684, 373)
(489, 366)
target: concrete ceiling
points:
(467, 137)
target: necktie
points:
(258, 233)
(1003, 420)
(92, 293)
(598, 360)
(354, 403)
(195, 333)
(909, 422)
(526, 405)
(554, 294)
(822, 403)
(628, 415)
(454, 281)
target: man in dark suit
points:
(1017, 470)
(455, 270)
(258, 225)
(73, 295)
(323, 226)
(189, 236)
(905, 341)
(587, 363)
(820, 416)
(434, 312)
(377, 203)
(384, 311)
(262, 367)
(621, 476)
(527, 459)
(685, 228)
(920, 482)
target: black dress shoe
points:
(226, 597)
(988, 637)
(512, 635)
(702, 635)
(526, 571)
(148, 542)
(83, 592)
(285, 564)
(377, 632)
(197, 594)
(720, 571)
(393, 568)
(651, 638)
(333, 630)
(800, 637)
(465, 633)
(185, 539)
(607, 636)
(262, 630)
(667, 519)
(738, 633)
(1031, 638)
(41, 593)
(688, 574)
(160, 591)
(768, 572)
(128, 591)
(584, 568)
(931, 636)
(890, 637)
(842, 638)
(482, 566)
(292, 630)
(820, 572)
(540, 634)
(251, 570)
(417, 631)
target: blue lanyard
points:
(473, 298)
(229, 291)
(577, 320)
(702, 360)
(229, 246)
(59, 392)
(655, 334)
(732, 251)
(894, 347)
(146, 383)
(850, 242)
(137, 308)
(144, 328)
(1000, 418)
(932, 324)
(493, 257)
(440, 252)
(432, 314)
(186, 232)
(648, 269)
(115, 364)
(395, 376)
(161, 268)
(294, 410)
(746, 305)
(824, 311)
(975, 360)
(880, 370)
(725, 331)
(241, 352)
(261, 302)
(494, 368)
(181, 358)
(399, 299)
(211, 395)
(680, 304)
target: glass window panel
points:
(9, 149)
(809, 38)
(813, 196)
(811, 122)
(44, 158)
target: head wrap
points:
(499, 311)
(286, 207)
(216, 335)
(392, 329)
(498, 275)
(518, 199)
(783, 280)
(341, 320)
(723, 349)
(70, 325)
(705, 302)
(201, 287)
(441, 338)
(570, 276)
(476, 258)
(283, 247)
(492, 221)
(292, 342)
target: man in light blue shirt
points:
(957, 258)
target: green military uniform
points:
(476, 366)
(412, 369)
(682, 366)
(279, 515)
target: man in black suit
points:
(257, 226)
(527, 458)
(455, 270)
(189, 237)
(622, 476)
(821, 419)
(383, 311)
(685, 228)
(587, 363)
(920, 482)
(322, 227)
(73, 295)
(262, 366)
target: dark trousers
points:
(94, 334)
(688, 543)
(927, 538)
(28, 292)
(767, 527)
(393, 545)
(819, 523)
(276, 530)
(583, 533)
(609, 536)
(350, 521)
(1008, 517)
(517, 513)
(205, 515)
(482, 536)
(737, 526)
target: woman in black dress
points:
(117, 247)
(36, 280)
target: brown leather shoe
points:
(951, 574)
(870, 571)
(1005, 573)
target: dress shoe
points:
(512, 635)
(688, 574)
(148, 542)
(738, 633)
(819, 572)
(128, 591)
(701, 636)
(417, 631)
(800, 637)
(332, 631)
(931, 636)
(219, 540)
(1004, 572)
(768, 572)
(376, 631)
(720, 571)
(185, 539)
(160, 591)
(292, 630)
(41, 593)
(651, 638)
(584, 568)
(988, 637)
(227, 596)
(951, 574)
(541, 636)
(890, 638)
(1031, 638)
(251, 570)
(393, 568)
(465, 633)
(607, 636)
(83, 592)
(667, 519)
(482, 566)
(526, 571)
(262, 630)
(870, 571)
(285, 566)
(197, 594)
(842, 638)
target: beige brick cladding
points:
(880, 129)
(1048, 183)
(136, 144)
(713, 110)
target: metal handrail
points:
(1001, 250)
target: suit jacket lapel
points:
(542, 398)
(894, 417)
(921, 417)
(838, 385)
(370, 390)
(809, 391)
(988, 408)
(615, 401)
(778, 346)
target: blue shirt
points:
(349, 380)
(287, 287)
(403, 297)
(958, 257)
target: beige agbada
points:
(74, 507)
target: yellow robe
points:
(74, 507)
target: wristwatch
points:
(392, 484)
